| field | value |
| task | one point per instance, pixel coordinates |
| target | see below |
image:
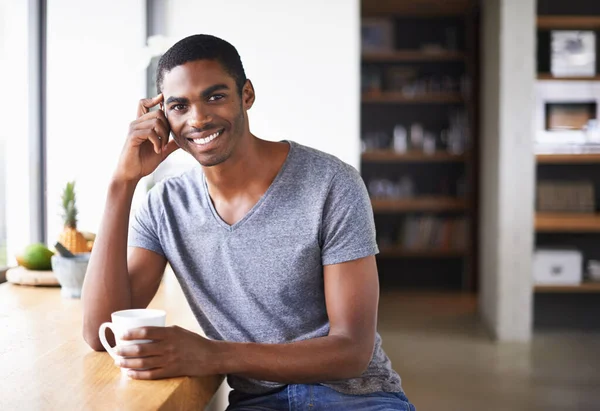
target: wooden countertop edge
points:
(193, 393)
(92, 373)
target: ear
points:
(248, 95)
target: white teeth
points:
(208, 139)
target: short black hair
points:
(202, 47)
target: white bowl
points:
(70, 273)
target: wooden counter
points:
(46, 365)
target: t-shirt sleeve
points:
(145, 225)
(348, 227)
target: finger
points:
(170, 148)
(146, 333)
(153, 119)
(151, 114)
(155, 374)
(141, 350)
(156, 361)
(141, 136)
(147, 103)
(158, 125)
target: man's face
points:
(205, 110)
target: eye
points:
(178, 107)
(216, 97)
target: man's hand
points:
(173, 352)
(147, 142)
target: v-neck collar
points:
(274, 183)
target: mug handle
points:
(102, 335)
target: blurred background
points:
(473, 123)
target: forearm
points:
(321, 359)
(107, 287)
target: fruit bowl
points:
(70, 273)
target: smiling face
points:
(205, 111)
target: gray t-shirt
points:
(261, 279)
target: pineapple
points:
(72, 239)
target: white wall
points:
(508, 167)
(93, 88)
(303, 59)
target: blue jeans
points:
(298, 397)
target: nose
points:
(198, 117)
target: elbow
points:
(90, 335)
(359, 365)
(93, 341)
(364, 361)
(352, 368)
(357, 360)
(96, 347)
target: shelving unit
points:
(550, 77)
(582, 288)
(558, 306)
(414, 8)
(385, 156)
(583, 158)
(444, 200)
(569, 22)
(419, 204)
(390, 97)
(413, 55)
(400, 252)
(567, 223)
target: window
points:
(16, 113)
(3, 254)
(3, 259)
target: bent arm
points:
(352, 296)
(111, 282)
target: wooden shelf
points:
(568, 22)
(415, 8)
(568, 158)
(414, 55)
(389, 156)
(395, 97)
(399, 252)
(582, 288)
(550, 77)
(567, 223)
(419, 204)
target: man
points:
(273, 244)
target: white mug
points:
(126, 320)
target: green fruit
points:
(36, 257)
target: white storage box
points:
(557, 267)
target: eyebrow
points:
(179, 100)
(206, 93)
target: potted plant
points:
(70, 269)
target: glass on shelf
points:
(592, 132)
(400, 139)
(416, 136)
(429, 143)
(375, 140)
(383, 188)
